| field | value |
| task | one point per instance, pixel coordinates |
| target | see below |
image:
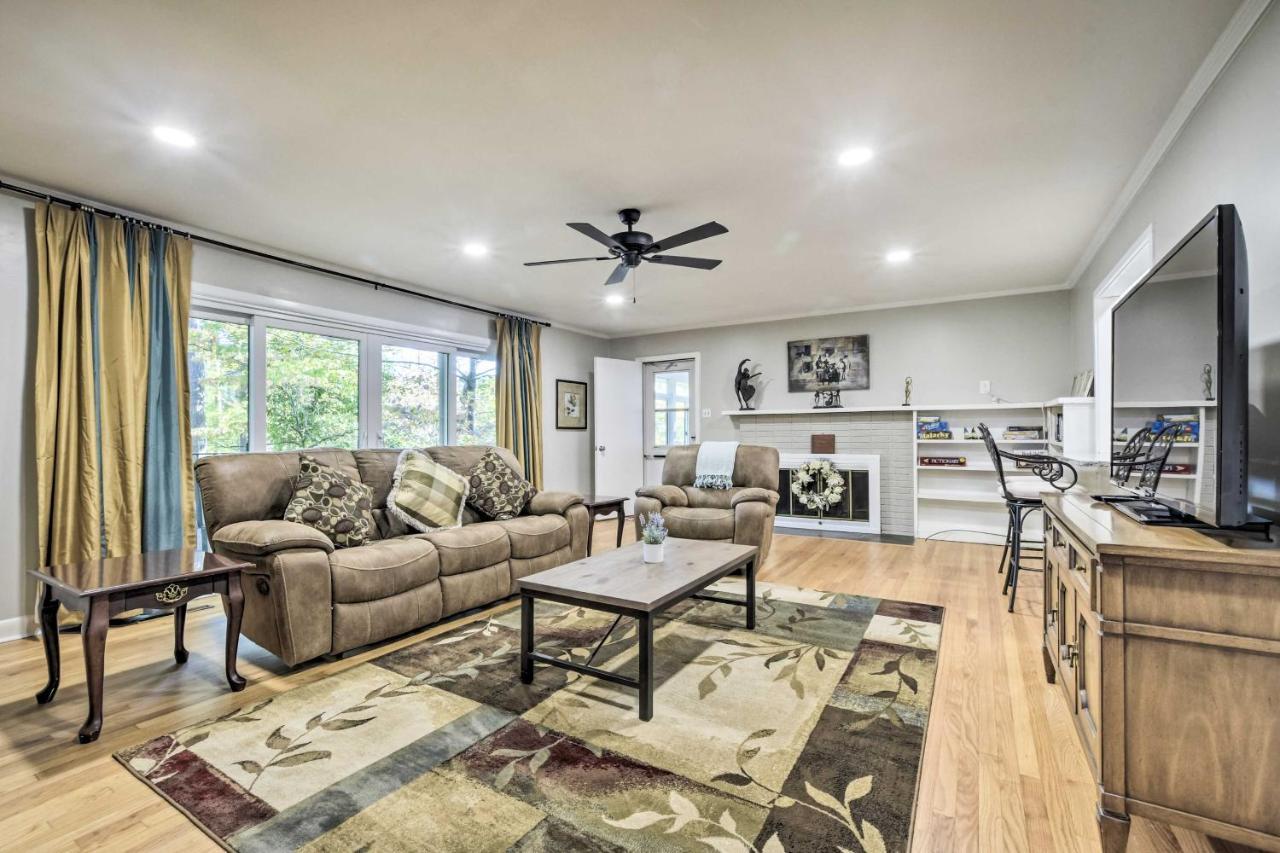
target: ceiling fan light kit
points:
(628, 248)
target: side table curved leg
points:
(49, 636)
(179, 633)
(235, 611)
(94, 635)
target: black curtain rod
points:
(266, 256)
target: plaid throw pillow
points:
(427, 495)
(497, 491)
(331, 502)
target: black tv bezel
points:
(1231, 453)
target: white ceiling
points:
(384, 135)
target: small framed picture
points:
(571, 404)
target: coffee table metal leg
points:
(49, 635)
(526, 638)
(646, 666)
(751, 595)
(94, 634)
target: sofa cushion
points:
(535, 535)
(496, 490)
(465, 549)
(335, 503)
(698, 522)
(381, 569)
(427, 495)
(713, 498)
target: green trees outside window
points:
(218, 363)
(313, 390)
(411, 398)
(476, 420)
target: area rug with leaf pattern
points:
(803, 735)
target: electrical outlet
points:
(706, 413)
(984, 386)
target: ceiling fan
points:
(628, 248)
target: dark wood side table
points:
(102, 588)
(604, 505)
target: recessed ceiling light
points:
(173, 136)
(898, 256)
(615, 299)
(855, 156)
(475, 250)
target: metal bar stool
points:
(1149, 463)
(1023, 498)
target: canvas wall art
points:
(841, 364)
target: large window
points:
(475, 400)
(313, 390)
(219, 372)
(262, 383)
(412, 405)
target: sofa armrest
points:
(258, 538)
(552, 503)
(665, 495)
(754, 494)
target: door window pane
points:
(313, 390)
(670, 407)
(411, 397)
(218, 364)
(477, 397)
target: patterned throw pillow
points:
(331, 502)
(425, 494)
(497, 491)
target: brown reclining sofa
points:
(303, 598)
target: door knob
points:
(600, 448)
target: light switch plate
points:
(984, 386)
(706, 413)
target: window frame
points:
(370, 339)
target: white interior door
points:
(619, 405)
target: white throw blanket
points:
(715, 465)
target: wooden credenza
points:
(1165, 643)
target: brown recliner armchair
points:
(742, 514)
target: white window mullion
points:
(449, 403)
(371, 392)
(257, 384)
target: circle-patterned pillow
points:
(497, 491)
(331, 502)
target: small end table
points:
(102, 588)
(604, 505)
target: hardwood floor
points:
(1002, 768)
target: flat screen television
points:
(1180, 345)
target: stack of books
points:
(944, 461)
(932, 428)
(1023, 433)
(1190, 424)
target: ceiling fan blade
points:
(702, 232)
(564, 261)
(619, 274)
(677, 261)
(596, 234)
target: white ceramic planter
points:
(653, 553)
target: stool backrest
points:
(1157, 455)
(989, 440)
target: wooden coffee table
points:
(621, 582)
(166, 580)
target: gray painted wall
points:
(1226, 153)
(1019, 343)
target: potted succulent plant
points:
(653, 533)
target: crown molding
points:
(1218, 58)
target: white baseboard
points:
(16, 628)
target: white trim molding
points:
(1220, 55)
(843, 462)
(17, 628)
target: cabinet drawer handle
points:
(1068, 652)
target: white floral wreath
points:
(817, 484)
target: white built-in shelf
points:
(924, 441)
(1169, 404)
(957, 496)
(1176, 444)
(983, 469)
